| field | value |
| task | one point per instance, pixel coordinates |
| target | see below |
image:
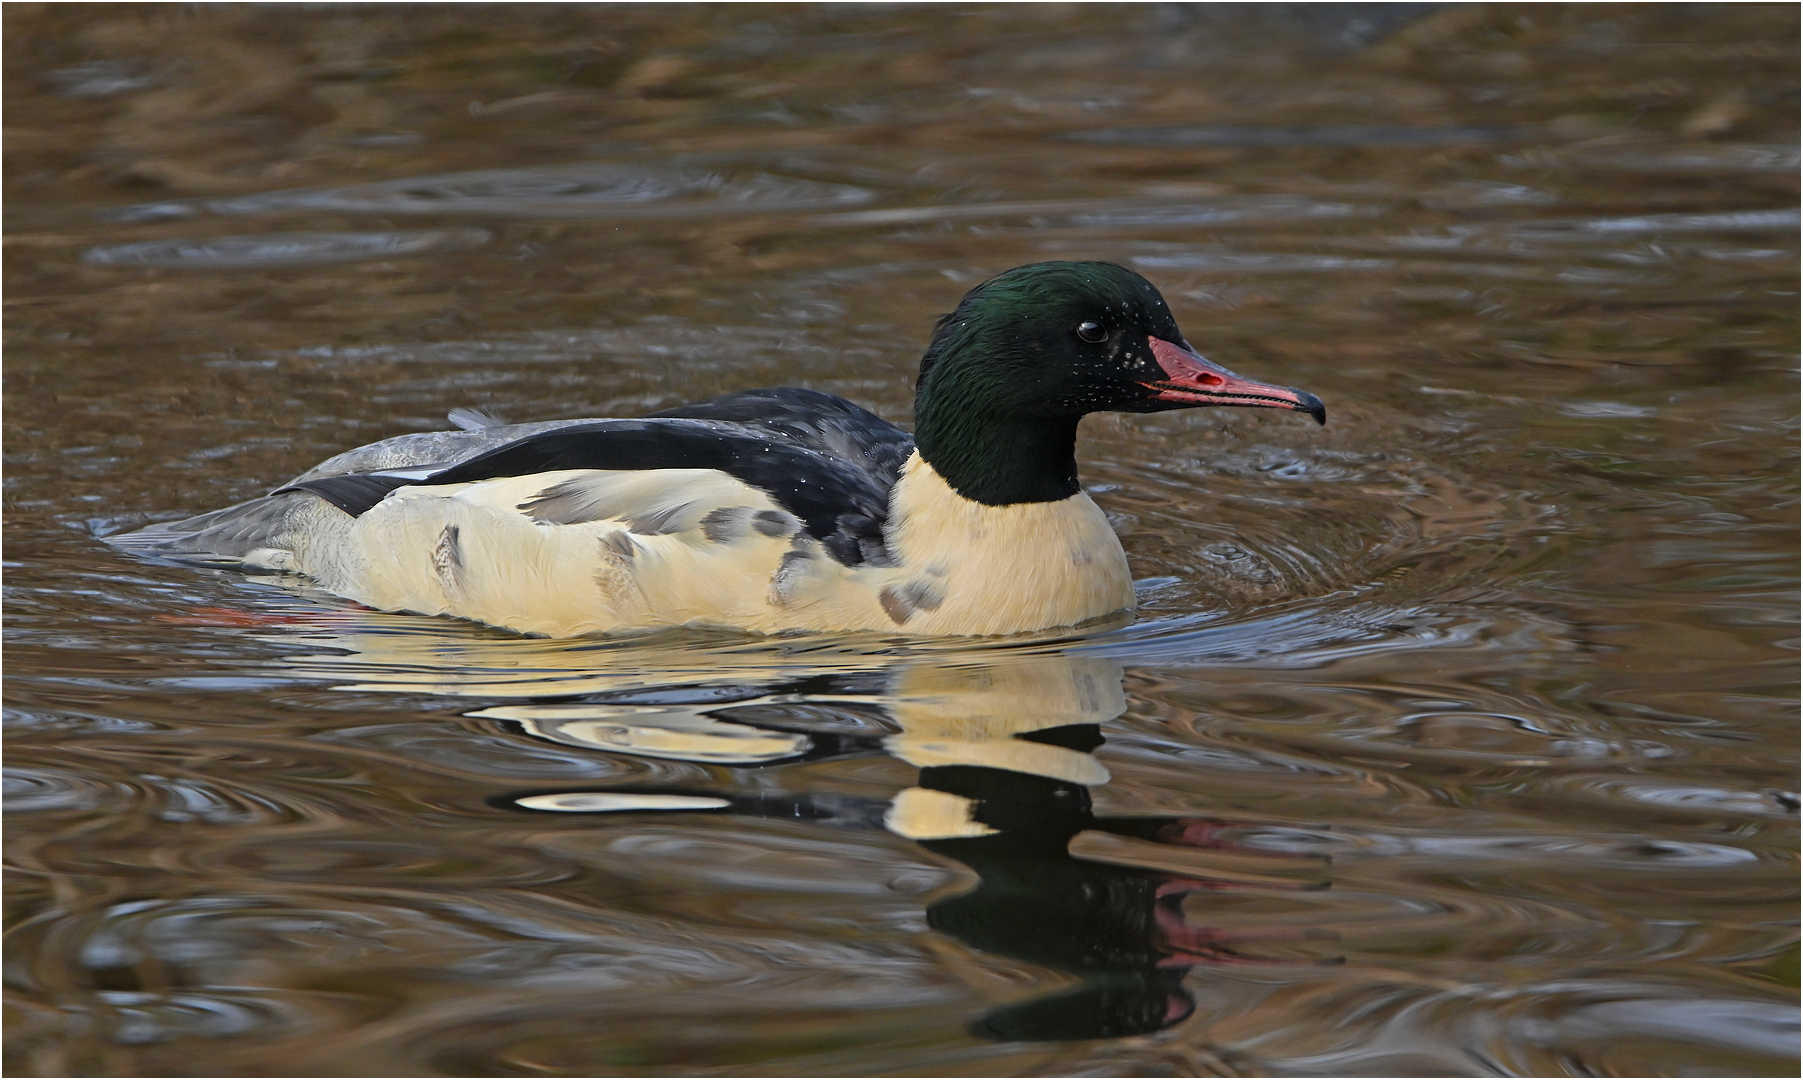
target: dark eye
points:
(1091, 332)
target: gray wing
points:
(862, 449)
(226, 537)
(821, 422)
(426, 448)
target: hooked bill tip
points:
(1310, 404)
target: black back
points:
(830, 425)
(823, 459)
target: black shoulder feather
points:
(353, 493)
(830, 425)
(823, 459)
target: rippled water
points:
(1457, 737)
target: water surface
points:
(1455, 738)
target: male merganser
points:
(766, 510)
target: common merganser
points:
(766, 510)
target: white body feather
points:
(581, 551)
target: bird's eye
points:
(1091, 332)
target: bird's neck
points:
(999, 460)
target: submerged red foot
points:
(224, 616)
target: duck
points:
(768, 510)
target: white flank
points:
(583, 551)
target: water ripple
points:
(1679, 797)
(1587, 229)
(1251, 135)
(275, 250)
(799, 862)
(1623, 852)
(586, 190)
(136, 1017)
(35, 790)
(1655, 158)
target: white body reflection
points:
(1003, 738)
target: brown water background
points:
(1504, 655)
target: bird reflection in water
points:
(1004, 739)
(1005, 752)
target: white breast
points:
(968, 568)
